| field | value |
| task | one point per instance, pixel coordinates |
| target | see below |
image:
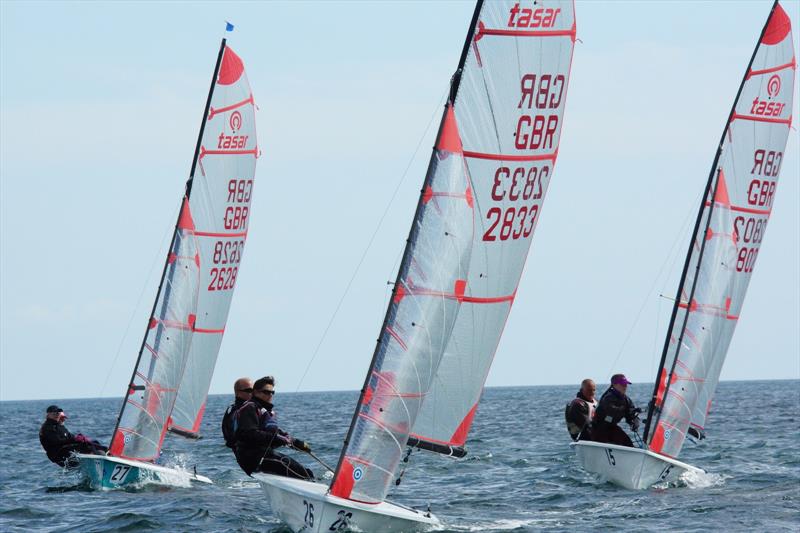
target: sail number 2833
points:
(515, 185)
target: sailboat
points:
(172, 374)
(480, 202)
(727, 236)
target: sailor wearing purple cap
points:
(614, 406)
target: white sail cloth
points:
(739, 205)
(221, 193)
(479, 207)
(173, 373)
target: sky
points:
(99, 109)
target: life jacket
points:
(572, 426)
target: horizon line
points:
(356, 390)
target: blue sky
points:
(100, 106)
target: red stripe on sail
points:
(508, 157)
(204, 330)
(212, 111)
(204, 152)
(482, 30)
(746, 209)
(787, 121)
(220, 234)
(396, 337)
(488, 300)
(791, 64)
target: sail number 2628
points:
(227, 255)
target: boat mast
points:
(714, 170)
(412, 234)
(175, 235)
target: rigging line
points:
(372, 239)
(655, 282)
(159, 254)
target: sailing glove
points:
(301, 445)
(635, 425)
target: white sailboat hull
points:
(631, 468)
(306, 506)
(107, 472)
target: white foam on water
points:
(501, 525)
(702, 480)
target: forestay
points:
(479, 206)
(730, 228)
(221, 192)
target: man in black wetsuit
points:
(258, 435)
(580, 411)
(614, 406)
(60, 444)
(242, 390)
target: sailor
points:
(60, 444)
(242, 390)
(258, 436)
(579, 412)
(614, 406)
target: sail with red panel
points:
(221, 191)
(184, 331)
(480, 203)
(728, 234)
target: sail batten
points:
(477, 211)
(734, 213)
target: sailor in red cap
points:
(614, 406)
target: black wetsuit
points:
(59, 443)
(613, 407)
(257, 437)
(579, 414)
(228, 429)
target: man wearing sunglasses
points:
(258, 436)
(242, 390)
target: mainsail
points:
(728, 233)
(221, 193)
(480, 202)
(188, 317)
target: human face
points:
(267, 393)
(59, 416)
(243, 390)
(621, 387)
(589, 389)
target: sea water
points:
(520, 474)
